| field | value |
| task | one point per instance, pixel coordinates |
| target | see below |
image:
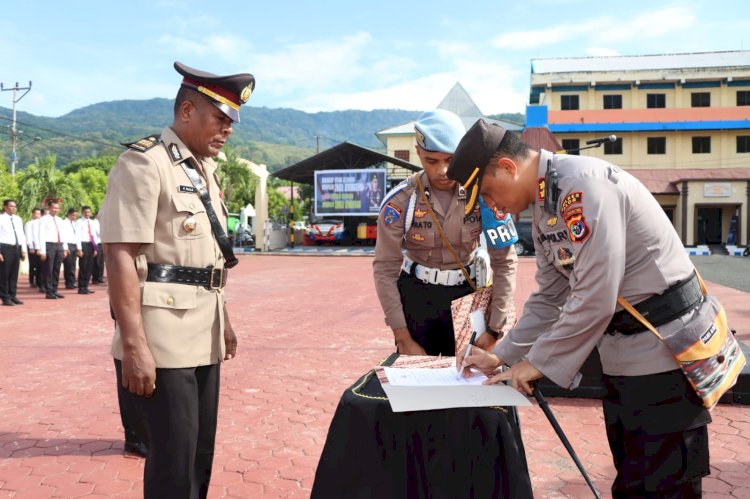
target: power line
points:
(13, 131)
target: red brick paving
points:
(308, 327)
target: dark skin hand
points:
(405, 344)
(138, 366)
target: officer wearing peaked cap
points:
(416, 286)
(599, 233)
(167, 254)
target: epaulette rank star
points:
(143, 144)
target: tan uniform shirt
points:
(609, 236)
(148, 199)
(423, 244)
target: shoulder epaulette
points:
(143, 144)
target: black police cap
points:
(227, 93)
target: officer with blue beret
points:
(415, 270)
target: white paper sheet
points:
(447, 376)
(425, 398)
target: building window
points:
(613, 147)
(700, 99)
(701, 145)
(657, 145)
(401, 154)
(569, 102)
(612, 101)
(656, 101)
(743, 143)
(568, 144)
(743, 97)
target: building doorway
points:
(709, 226)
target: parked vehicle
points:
(525, 244)
(328, 231)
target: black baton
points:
(551, 417)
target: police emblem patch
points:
(573, 212)
(420, 213)
(570, 199)
(552, 221)
(174, 151)
(391, 213)
(417, 236)
(578, 229)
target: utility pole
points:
(13, 131)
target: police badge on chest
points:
(189, 224)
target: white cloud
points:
(221, 46)
(653, 24)
(310, 67)
(601, 52)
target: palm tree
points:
(42, 181)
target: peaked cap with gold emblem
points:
(472, 155)
(227, 93)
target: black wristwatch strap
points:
(492, 333)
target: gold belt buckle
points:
(211, 279)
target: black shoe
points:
(8, 303)
(70, 286)
(42, 290)
(16, 301)
(85, 292)
(58, 295)
(137, 448)
(51, 296)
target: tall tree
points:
(236, 180)
(42, 181)
(8, 183)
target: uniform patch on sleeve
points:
(571, 199)
(578, 230)
(391, 213)
(573, 212)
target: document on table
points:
(417, 389)
(446, 376)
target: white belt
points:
(429, 275)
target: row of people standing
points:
(50, 243)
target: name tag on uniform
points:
(186, 188)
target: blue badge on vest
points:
(498, 232)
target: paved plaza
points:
(308, 327)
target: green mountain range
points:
(275, 137)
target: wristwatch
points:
(493, 333)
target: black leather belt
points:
(659, 309)
(208, 277)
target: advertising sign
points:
(349, 192)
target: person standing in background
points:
(87, 249)
(29, 230)
(71, 240)
(52, 248)
(97, 270)
(12, 251)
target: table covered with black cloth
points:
(372, 452)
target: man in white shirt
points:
(30, 231)
(52, 248)
(86, 231)
(97, 272)
(12, 251)
(72, 242)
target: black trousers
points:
(9, 270)
(427, 308)
(656, 427)
(178, 426)
(97, 273)
(52, 266)
(85, 265)
(69, 266)
(35, 270)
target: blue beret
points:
(439, 131)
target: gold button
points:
(170, 301)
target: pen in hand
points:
(468, 352)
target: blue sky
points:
(335, 55)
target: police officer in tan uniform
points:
(163, 229)
(599, 233)
(416, 286)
